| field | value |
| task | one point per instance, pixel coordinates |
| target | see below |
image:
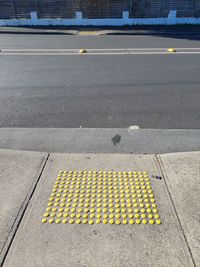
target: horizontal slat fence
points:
(95, 9)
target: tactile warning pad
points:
(106, 197)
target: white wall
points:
(125, 20)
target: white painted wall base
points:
(80, 21)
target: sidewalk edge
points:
(18, 219)
(163, 172)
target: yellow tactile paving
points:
(107, 197)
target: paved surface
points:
(182, 171)
(113, 91)
(151, 91)
(175, 242)
(19, 174)
(100, 140)
(117, 41)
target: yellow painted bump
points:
(137, 215)
(143, 215)
(171, 50)
(51, 220)
(61, 210)
(150, 216)
(82, 51)
(64, 221)
(118, 215)
(48, 209)
(104, 197)
(151, 221)
(158, 221)
(44, 220)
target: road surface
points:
(99, 91)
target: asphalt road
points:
(115, 91)
(110, 41)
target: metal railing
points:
(98, 8)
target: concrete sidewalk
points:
(27, 179)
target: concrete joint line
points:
(22, 210)
(163, 172)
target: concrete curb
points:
(89, 140)
(99, 31)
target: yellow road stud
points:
(171, 50)
(82, 51)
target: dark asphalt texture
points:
(115, 41)
(115, 91)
